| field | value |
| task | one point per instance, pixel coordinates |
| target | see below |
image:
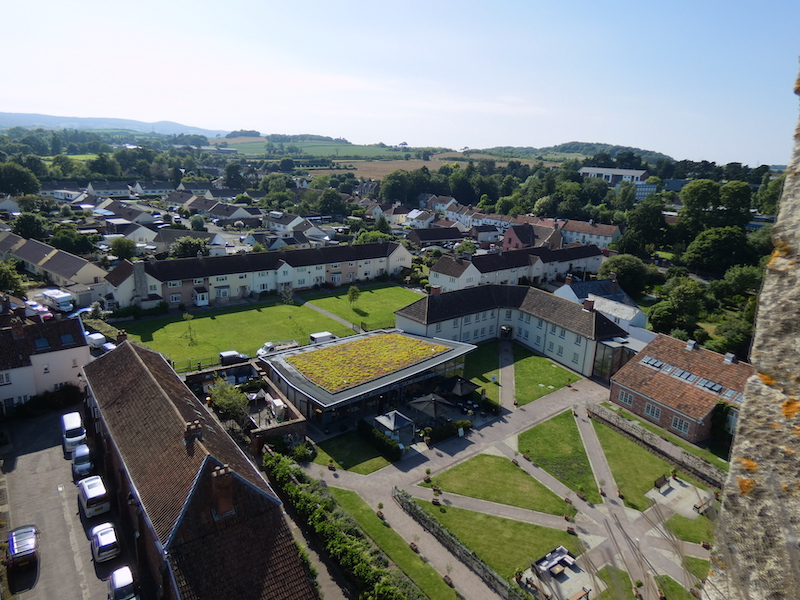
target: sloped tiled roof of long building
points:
(64, 264)
(33, 251)
(538, 303)
(8, 240)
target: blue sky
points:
(708, 79)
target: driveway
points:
(41, 492)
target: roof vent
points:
(730, 358)
(690, 345)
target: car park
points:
(105, 544)
(81, 462)
(23, 547)
(122, 585)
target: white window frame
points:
(5, 378)
(174, 298)
(681, 425)
(625, 398)
(174, 284)
(652, 411)
(198, 281)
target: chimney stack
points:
(569, 280)
(614, 284)
(588, 305)
(122, 335)
(436, 290)
(222, 490)
(194, 431)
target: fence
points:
(678, 456)
(502, 587)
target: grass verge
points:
(618, 582)
(481, 364)
(503, 544)
(536, 376)
(671, 588)
(556, 446)
(496, 479)
(350, 452)
(634, 468)
(696, 566)
(395, 547)
(696, 530)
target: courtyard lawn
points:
(671, 588)
(556, 446)
(350, 452)
(618, 582)
(243, 329)
(536, 376)
(496, 479)
(503, 544)
(375, 306)
(696, 530)
(481, 364)
(395, 547)
(696, 566)
(634, 468)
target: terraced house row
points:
(215, 280)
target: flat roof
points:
(300, 382)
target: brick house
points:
(677, 385)
(206, 524)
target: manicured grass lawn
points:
(696, 566)
(396, 548)
(374, 305)
(634, 468)
(556, 446)
(671, 588)
(618, 582)
(496, 479)
(704, 453)
(503, 544)
(242, 328)
(696, 530)
(350, 452)
(481, 364)
(536, 376)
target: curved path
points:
(610, 532)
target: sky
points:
(701, 80)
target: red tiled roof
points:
(682, 396)
(590, 228)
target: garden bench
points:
(661, 482)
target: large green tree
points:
(632, 274)
(17, 180)
(10, 280)
(331, 203)
(30, 226)
(719, 248)
(188, 247)
(734, 209)
(124, 248)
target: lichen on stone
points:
(746, 485)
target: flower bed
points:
(343, 366)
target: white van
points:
(72, 431)
(93, 496)
(319, 337)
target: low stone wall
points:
(464, 554)
(676, 455)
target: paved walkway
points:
(330, 315)
(610, 532)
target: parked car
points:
(72, 432)
(81, 461)
(23, 547)
(93, 496)
(105, 544)
(122, 585)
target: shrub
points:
(67, 395)
(388, 447)
(438, 434)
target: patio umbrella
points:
(458, 386)
(432, 405)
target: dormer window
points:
(42, 343)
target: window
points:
(455, 323)
(483, 331)
(680, 425)
(319, 267)
(527, 318)
(335, 266)
(491, 329)
(5, 378)
(301, 282)
(626, 397)
(366, 262)
(174, 284)
(475, 334)
(578, 340)
(198, 281)
(67, 338)
(242, 275)
(562, 333)
(174, 298)
(351, 264)
(652, 411)
(508, 314)
(540, 323)
(467, 320)
(550, 346)
(42, 343)
(538, 340)
(552, 328)
(560, 351)
(483, 316)
(152, 288)
(525, 335)
(438, 327)
(225, 277)
(519, 318)
(222, 292)
(284, 273)
(465, 337)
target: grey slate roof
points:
(603, 288)
(537, 303)
(435, 234)
(451, 267)
(499, 261)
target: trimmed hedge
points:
(437, 434)
(389, 448)
(360, 559)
